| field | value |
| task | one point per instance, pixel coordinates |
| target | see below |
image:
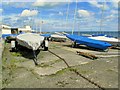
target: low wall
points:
(1, 50)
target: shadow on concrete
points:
(27, 53)
(84, 47)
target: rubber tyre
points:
(74, 45)
(45, 48)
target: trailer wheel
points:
(13, 45)
(74, 45)
(106, 50)
(45, 45)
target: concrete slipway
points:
(19, 70)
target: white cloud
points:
(11, 19)
(110, 16)
(113, 15)
(115, 3)
(98, 21)
(0, 19)
(83, 13)
(96, 4)
(42, 3)
(60, 13)
(114, 11)
(39, 3)
(1, 10)
(29, 13)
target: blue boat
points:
(95, 35)
(8, 35)
(46, 35)
(89, 42)
(11, 35)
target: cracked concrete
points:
(52, 72)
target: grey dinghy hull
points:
(30, 40)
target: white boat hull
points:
(111, 40)
(30, 40)
(58, 36)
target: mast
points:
(41, 26)
(102, 14)
(74, 18)
(35, 24)
(41, 22)
(67, 14)
(36, 21)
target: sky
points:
(61, 15)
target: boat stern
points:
(106, 46)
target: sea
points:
(115, 34)
(109, 33)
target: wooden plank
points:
(88, 55)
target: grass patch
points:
(10, 67)
(62, 83)
(20, 61)
(84, 72)
(4, 61)
(41, 55)
(60, 72)
(53, 46)
(81, 71)
(43, 65)
(5, 82)
(56, 61)
(35, 74)
(48, 64)
(16, 54)
(110, 70)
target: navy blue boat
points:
(89, 42)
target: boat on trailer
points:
(96, 44)
(105, 38)
(32, 41)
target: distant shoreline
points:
(109, 33)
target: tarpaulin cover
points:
(30, 40)
(89, 42)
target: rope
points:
(75, 71)
(60, 58)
